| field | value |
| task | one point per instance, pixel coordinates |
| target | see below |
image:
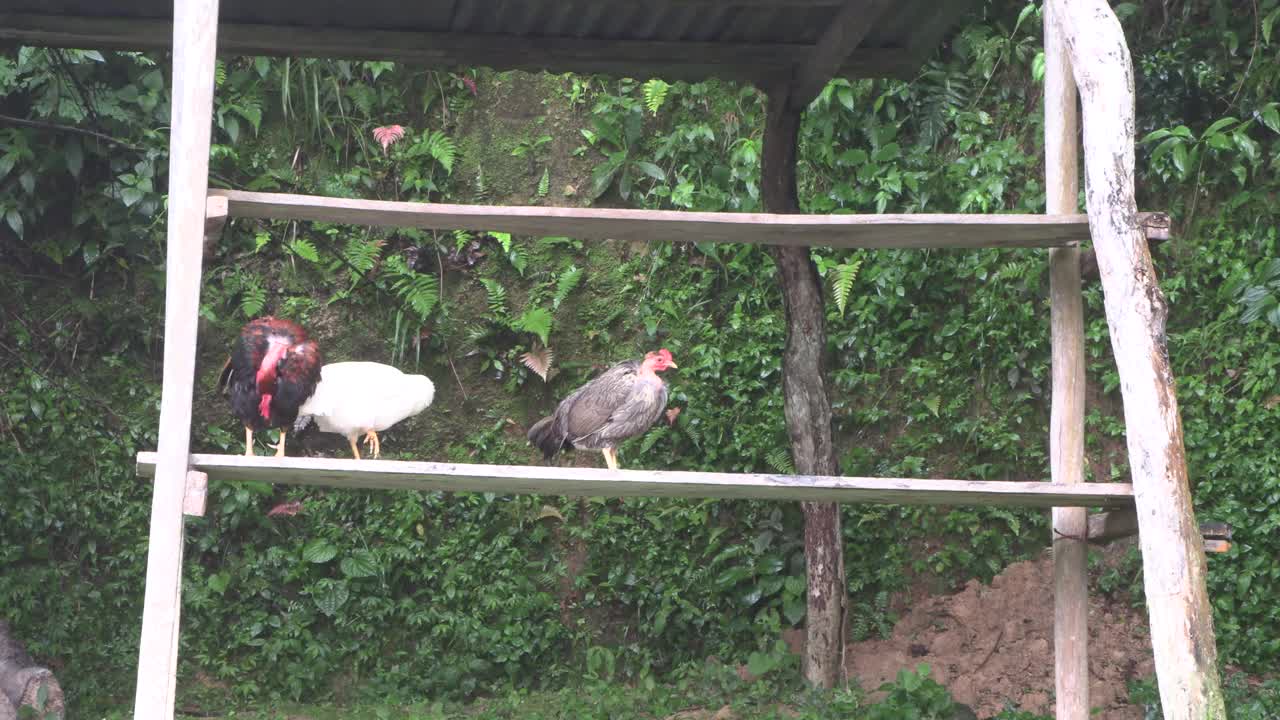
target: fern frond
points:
(442, 148)
(460, 239)
(497, 297)
(304, 249)
(252, 299)
(539, 360)
(537, 321)
(544, 185)
(421, 292)
(565, 284)
(934, 404)
(652, 437)
(362, 254)
(779, 459)
(842, 282)
(219, 73)
(655, 94)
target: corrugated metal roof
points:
(733, 38)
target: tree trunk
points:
(807, 404)
(21, 681)
(1172, 549)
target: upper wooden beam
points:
(748, 62)
(850, 231)
(838, 42)
(589, 482)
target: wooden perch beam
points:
(846, 231)
(590, 482)
(1105, 527)
(748, 62)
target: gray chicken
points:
(624, 401)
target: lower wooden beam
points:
(591, 482)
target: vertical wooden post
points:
(1066, 425)
(806, 401)
(195, 27)
(1173, 559)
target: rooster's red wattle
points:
(272, 371)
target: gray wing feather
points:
(611, 408)
(637, 415)
(591, 406)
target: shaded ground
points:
(992, 645)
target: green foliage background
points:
(940, 359)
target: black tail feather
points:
(543, 436)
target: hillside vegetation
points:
(940, 359)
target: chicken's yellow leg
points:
(248, 441)
(611, 458)
(375, 445)
(280, 445)
(355, 449)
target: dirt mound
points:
(993, 645)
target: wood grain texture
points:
(1105, 527)
(847, 30)
(193, 502)
(591, 482)
(1173, 559)
(673, 60)
(1066, 421)
(846, 231)
(195, 36)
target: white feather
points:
(353, 398)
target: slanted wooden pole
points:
(195, 26)
(1173, 559)
(1066, 423)
(806, 401)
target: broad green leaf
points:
(319, 551)
(1218, 125)
(332, 597)
(1247, 145)
(794, 609)
(845, 96)
(359, 564)
(651, 170)
(73, 153)
(885, 153)
(1180, 159)
(15, 221)
(1271, 117)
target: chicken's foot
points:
(355, 447)
(374, 444)
(248, 441)
(611, 457)
(280, 445)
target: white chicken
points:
(364, 398)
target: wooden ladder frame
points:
(1086, 30)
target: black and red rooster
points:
(273, 369)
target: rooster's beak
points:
(673, 364)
